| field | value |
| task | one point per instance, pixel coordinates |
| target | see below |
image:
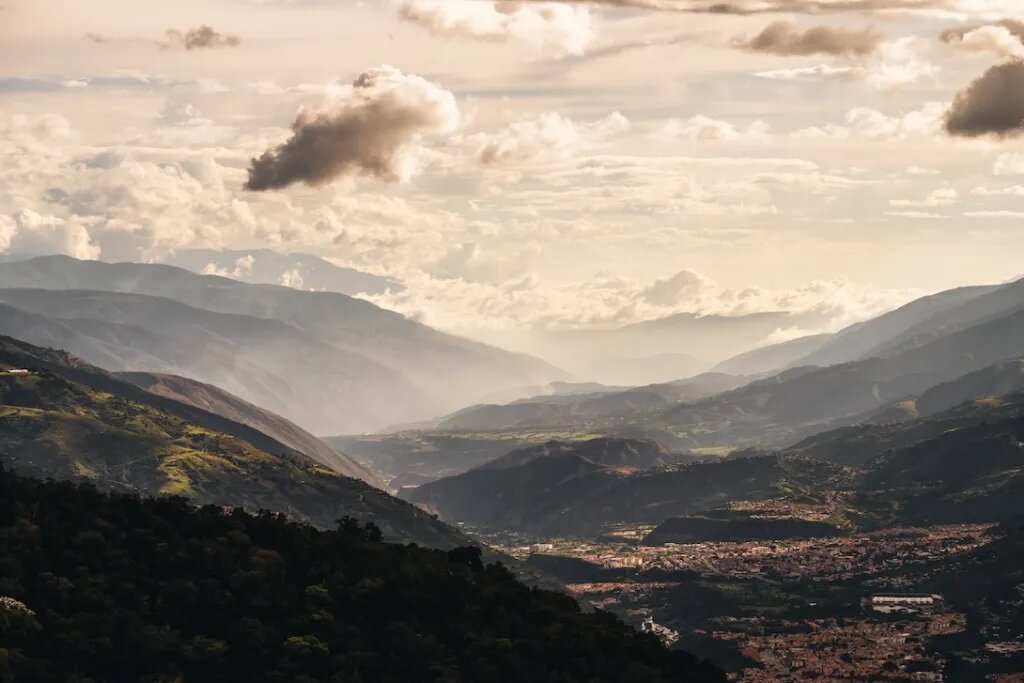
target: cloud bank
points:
(546, 26)
(373, 129)
(27, 233)
(747, 7)
(1005, 38)
(787, 40)
(545, 136)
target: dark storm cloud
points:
(202, 38)
(991, 105)
(786, 39)
(371, 132)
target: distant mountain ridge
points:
(263, 266)
(785, 407)
(263, 361)
(640, 454)
(662, 349)
(867, 338)
(408, 370)
(568, 494)
(964, 465)
(586, 409)
(772, 358)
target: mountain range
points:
(329, 362)
(934, 352)
(65, 419)
(568, 493)
(963, 465)
(658, 350)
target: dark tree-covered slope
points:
(97, 587)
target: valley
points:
(804, 520)
(763, 610)
(512, 341)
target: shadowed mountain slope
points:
(603, 409)
(218, 401)
(570, 495)
(263, 361)
(773, 357)
(806, 400)
(865, 339)
(66, 419)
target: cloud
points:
(373, 129)
(787, 40)
(898, 63)
(548, 26)
(292, 278)
(891, 65)
(243, 267)
(201, 38)
(1016, 215)
(919, 215)
(809, 73)
(1005, 38)
(946, 196)
(746, 7)
(703, 128)
(1009, 163)
(31, 131)
(683, 287)
(864, 122)
(545, 136)
(529, 302)
(991, 105)
(474, 262)
(1012, 191)
(27, 233)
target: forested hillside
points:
(130, 589)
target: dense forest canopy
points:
(134, 589)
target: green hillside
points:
(67, 420)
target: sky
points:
(530, 165)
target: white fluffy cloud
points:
(525, 302)
(552, 27)
(899, 63)
(893, 65)
(809, 73)
(704, 128)
(1009, 163)
(26, 233)
(549, 135)
(876, 125)
(946, 196)
(243, 266)
(1005, 39)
